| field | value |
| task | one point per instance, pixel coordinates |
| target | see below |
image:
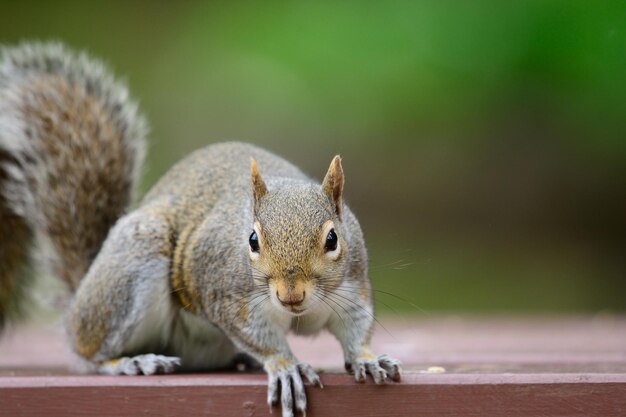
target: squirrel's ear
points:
(333, 184)
(259, 189)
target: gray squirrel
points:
(216, 261)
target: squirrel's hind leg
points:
(123, 307)
(147, 364)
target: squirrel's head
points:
(297, 246)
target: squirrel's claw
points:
(392, 366)
(380, 369)
(375, 370)
(310, 375)
(272, 389)
(292, 393)
(148, 364)
(359, 371)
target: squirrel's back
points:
(71, 145)
(217, 172)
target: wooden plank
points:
(495, 366)
(227, 395)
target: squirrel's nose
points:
(291, 298)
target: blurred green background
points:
(484, 142)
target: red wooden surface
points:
(561, 366)
(226, 395)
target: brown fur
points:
(82, 140)
(71, 143)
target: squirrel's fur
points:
(217, 260)
(71, 145)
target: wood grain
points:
(226, 395)
(494, 367)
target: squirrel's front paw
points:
(148, 364)
(380, 368)
(289, 374)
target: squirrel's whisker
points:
(339, 316)
(357, 305)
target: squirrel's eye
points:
(331, 241)
(254, 242)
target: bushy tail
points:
(71, 146)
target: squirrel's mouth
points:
(293, 310)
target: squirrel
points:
(215, 261)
